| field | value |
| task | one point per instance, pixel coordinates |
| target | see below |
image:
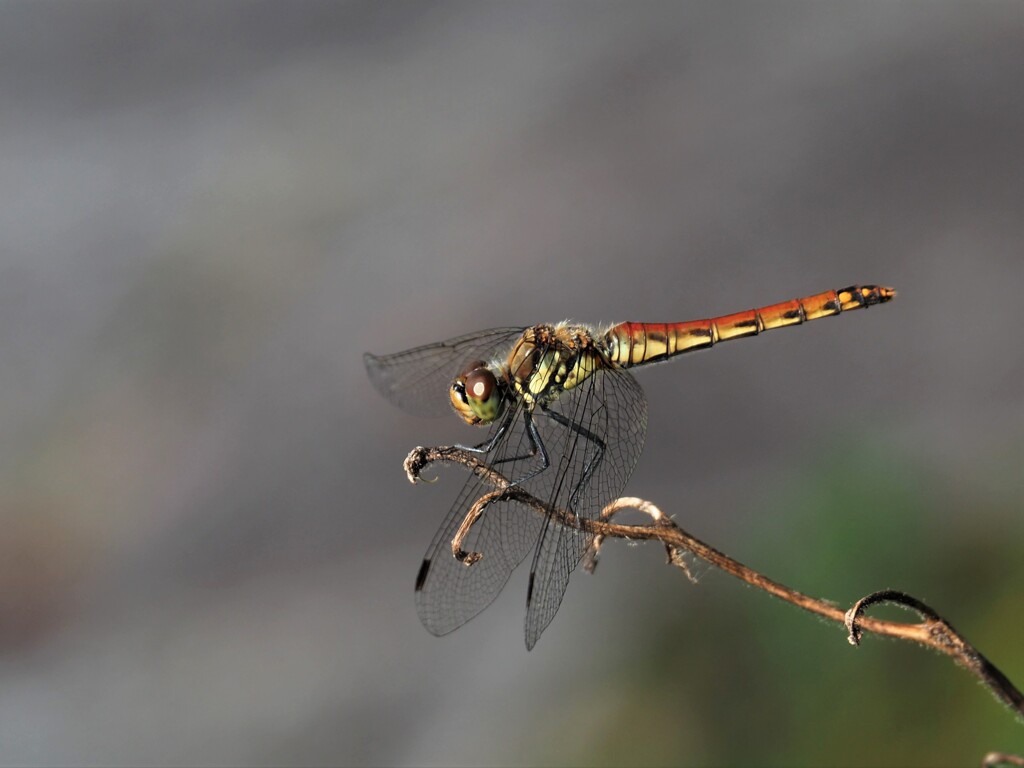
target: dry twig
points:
(932, 631)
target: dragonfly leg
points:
(488, 445)
(468, 558)
(536, 446)
(592, 463)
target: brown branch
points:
(933, 631)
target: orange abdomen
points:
(629, 344)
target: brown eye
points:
(480, 383)
(477, 395)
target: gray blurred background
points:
(209, 211)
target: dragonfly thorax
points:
(549, 359)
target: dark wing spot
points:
(529, 591)
(421, 577)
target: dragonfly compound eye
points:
(476, 396)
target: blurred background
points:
(210, 211)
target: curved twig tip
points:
(893, 596)
(996, 759)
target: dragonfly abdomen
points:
(628, 344)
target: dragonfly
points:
(567, 422)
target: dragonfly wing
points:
(417, 380)
(594, 434)
(450, 593)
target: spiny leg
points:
(492, 441)
(536, 446)
(488, 445)
(591, 465)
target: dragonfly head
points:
(477, 395)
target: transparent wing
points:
(449, 593)
(594, 435)
(417, 380)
